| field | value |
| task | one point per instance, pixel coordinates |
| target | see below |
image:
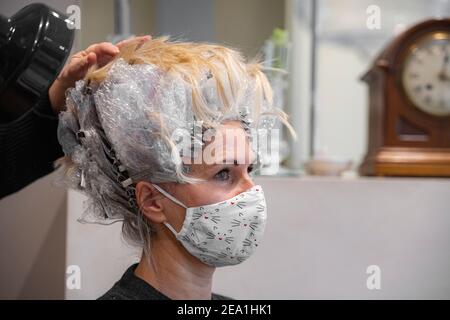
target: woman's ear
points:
(149, 203)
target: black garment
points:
(131, 287)
(28, 147)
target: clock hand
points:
(443, 76)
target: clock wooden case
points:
(409, 111)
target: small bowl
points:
(327, 167)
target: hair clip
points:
(126, 183)
(132, 202)
(87, 89)
(80, 134)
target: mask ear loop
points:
(165, 193)
(169, 196)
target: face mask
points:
(224, 233)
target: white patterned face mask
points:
(224, 233)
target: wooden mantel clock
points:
(409, 94)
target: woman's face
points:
(226, 164)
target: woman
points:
(163, 138)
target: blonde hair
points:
(189, 61)
(181, 60)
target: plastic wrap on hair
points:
(139, 112)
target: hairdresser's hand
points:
(78, 65)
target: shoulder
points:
(130, 287)
(124, 288)
(216, 296)
(115, 293)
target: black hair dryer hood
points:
(34, 44)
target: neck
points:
(171, 270)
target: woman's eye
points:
(250, 168)
(223, 175)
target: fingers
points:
(104, 59)
(106, 51)
(91, 59)
(78, 66)
(79, 63)
(140, 39)
(103, 48)
(99, 53)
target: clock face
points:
(426, 75)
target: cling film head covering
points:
(124, 121)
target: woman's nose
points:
(246, 182)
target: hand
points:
(78, 65)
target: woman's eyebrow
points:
(214, 166)
(234, 161)
(229, 161)
(218, 164)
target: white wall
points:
(321, 236)
(98, 251)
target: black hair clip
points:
(87, 89)
(80, 134)
(132, 202)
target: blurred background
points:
(323, 231)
